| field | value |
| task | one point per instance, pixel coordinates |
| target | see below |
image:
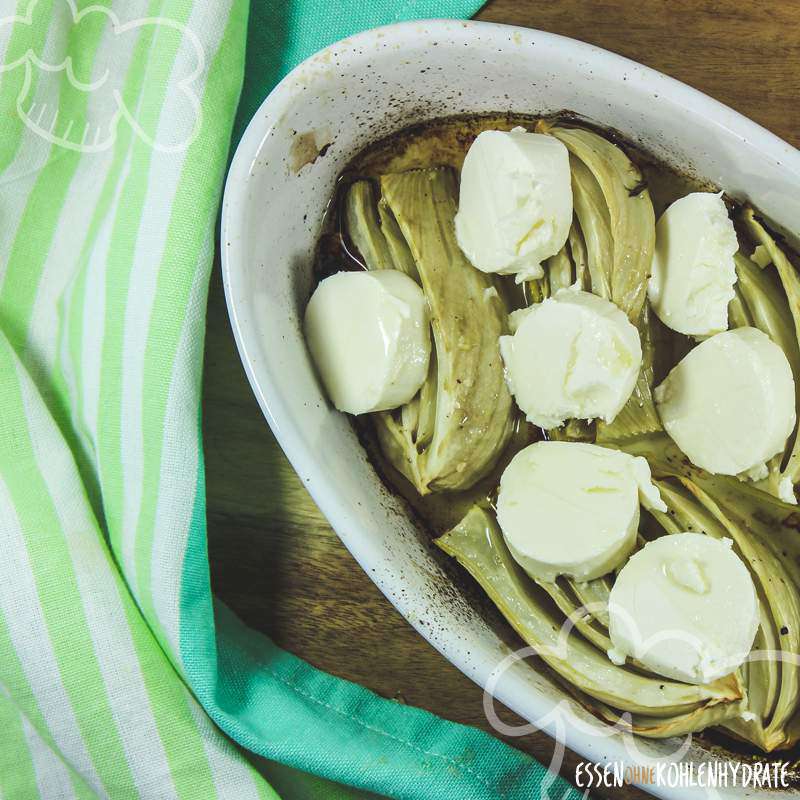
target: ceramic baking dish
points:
(279, 184)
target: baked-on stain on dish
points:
(306, 148)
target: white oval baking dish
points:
(332, 105)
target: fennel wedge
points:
(763, 530)
(617, 229)
(630, 212)
(761, 672)
(479, 547)
(761, 303)
(452, 434)
(790, 282)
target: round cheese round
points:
(369, 336)
(515, 202)
(569, 508)
(574, 356)
(685, 607)
(729, 404)
(693, 267)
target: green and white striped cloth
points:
(115, 124)
(108, 200)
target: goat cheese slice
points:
(693, 267)
(369, 336)
(729, 404)
(569, 508)
(685, 607)
(574, 356)
(515, 202)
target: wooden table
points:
(274, 558)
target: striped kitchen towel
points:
(114, 127)
(117, 678)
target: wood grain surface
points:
(274, 558)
